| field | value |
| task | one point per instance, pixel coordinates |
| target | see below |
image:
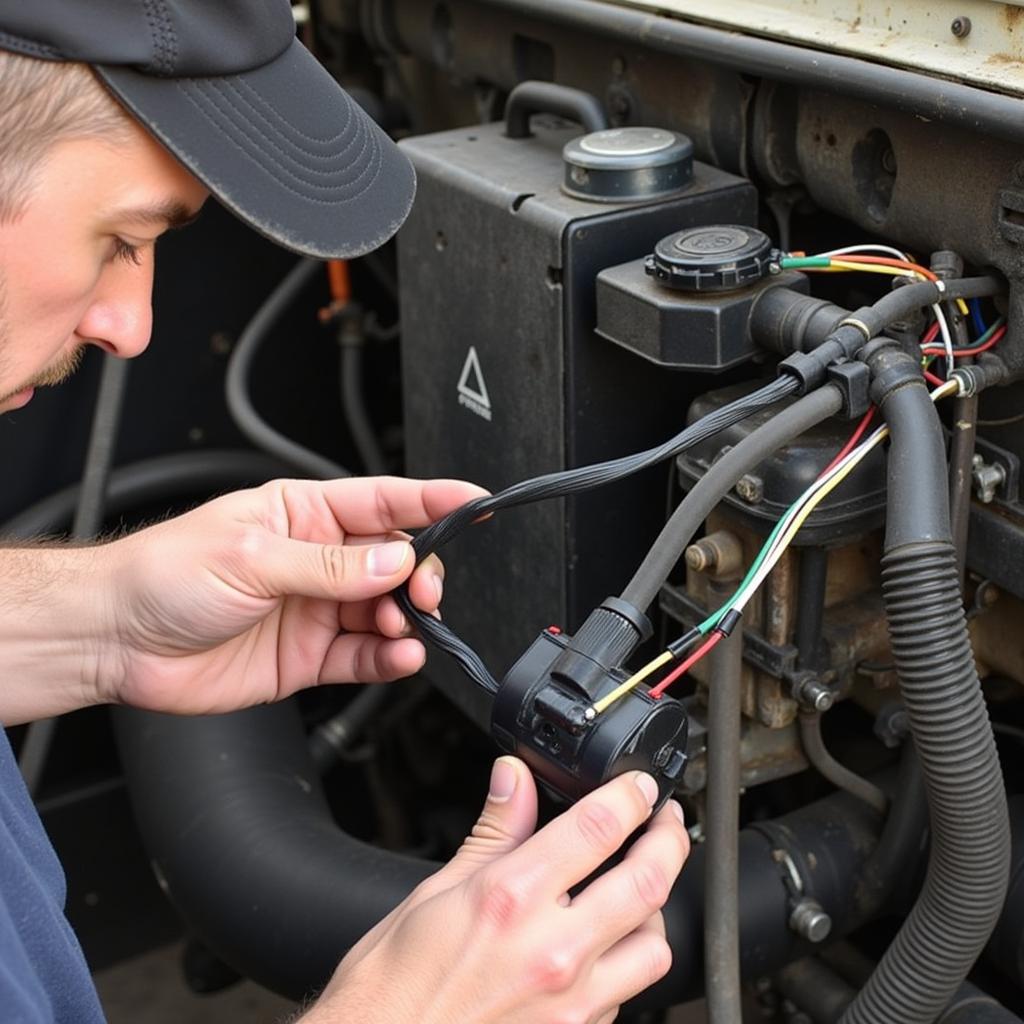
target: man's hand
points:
(261, 593)
(495, 938)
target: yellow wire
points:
(876, 268)
(947, 389)
(791, 531)
(637, 677)
(962, 306)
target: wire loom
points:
(559, 485)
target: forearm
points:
(56, 606)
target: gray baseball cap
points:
(226, 86)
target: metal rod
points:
(721, 895)
(810, 606)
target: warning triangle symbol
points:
(471, 383)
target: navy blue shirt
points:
(44, 978)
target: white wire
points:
(887, 249)
(773, 556)
(947, 338)
(775, 553)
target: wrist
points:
(56, 629)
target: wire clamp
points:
(852, 321)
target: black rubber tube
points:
(922, 95)
(838, 774)
(961, 476)
(721, 894)
(353, 408)
(139, 484)
(720, 478)
(236, 383)
(966, 881)
(232, 814)
(243, 843)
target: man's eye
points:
(126, 251)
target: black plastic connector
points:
(543, 711)
(853, 379)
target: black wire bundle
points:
(560, 485)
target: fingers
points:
(575, 844)
(633, 964)
(625, 897)
(508, 818)
(369, 658)
(278, 566)
(375, 504)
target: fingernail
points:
(387, 559)
(503, 781)
(439, 587)
(648, 787)
(677, 810)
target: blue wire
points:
(979, 323)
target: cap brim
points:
(283, 147)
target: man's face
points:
(76, 267)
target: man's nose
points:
(120, 317)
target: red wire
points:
(957, 352)
(932, 379)
(854, 438)
(685, 667)
(886, 261)
(710, 642)
(931, 334)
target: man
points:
(260, 593)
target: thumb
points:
(508, 819)
(335, 572)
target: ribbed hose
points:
(966, 881)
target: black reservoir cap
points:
(719, 258)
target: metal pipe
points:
(810, 604)
(721, 893)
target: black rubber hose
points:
(353, 407)
(903, 840)
(243, 842)
(232, 813)
(961, 470)
(721, 895)
(838, 774)
(720, 478)
(165, 478)
(236, 383)
(966, 880)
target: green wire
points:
(799, 262)
(715, 617)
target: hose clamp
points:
(852, 321)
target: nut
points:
(750, 488)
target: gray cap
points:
(228, 89)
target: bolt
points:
(961, 26)
(809, 691)
(988, 478)
(750, 488)
(810, 921)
